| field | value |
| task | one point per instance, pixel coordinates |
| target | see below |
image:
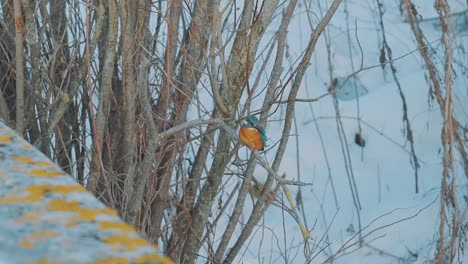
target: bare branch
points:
(19, 63)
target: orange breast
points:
(251, 138)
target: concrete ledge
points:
(47, 217)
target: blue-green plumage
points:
(252, 122)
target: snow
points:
(407, 224)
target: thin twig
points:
(337, 89)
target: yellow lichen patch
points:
(63, 205)
(47, 261)
(29, 217)
(126, 243)
(88, 214)
(22, 159)
(145, 259)
(12, 200)
(5, 139)
(116, 225)
(36, 193)
(26, 244)
(116, 260)
(37, 237)
(44, 163)
(28, 160)
(44, 234)
(153, 258)
(84, 214)
(26, 146)
(62, 189)
(31, 197)
(45, 173)
(72, 222)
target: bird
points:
(252, 134)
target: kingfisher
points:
(252, 134)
